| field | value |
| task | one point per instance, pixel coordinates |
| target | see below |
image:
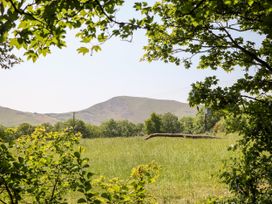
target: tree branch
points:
(23, 12)
(32, 4)
(251, 54)
(107, 16)
(55, 186)
(238, 30)
(8, 190)
(117, 22)
(196, 7)
(252, 98)
(54, 189)
(3, 201)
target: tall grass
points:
(189, 167)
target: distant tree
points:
(110, 128)
(127, 128)
(73, 125)
(94, 131)
(48, 127)
(2, 133)
(78, 126)
(140, 129)
(187, 124)
(170, 123)
(153, 124)
(59, 126)
(24, 129)
(205, 120)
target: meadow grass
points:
(189, 167)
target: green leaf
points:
(83, 50)
(250, 2)
(96, 48)
(14, 42)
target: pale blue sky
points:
(66, 81)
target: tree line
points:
(156, 123)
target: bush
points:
(44, 166)
(38, 168)
(130, 191)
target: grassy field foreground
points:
(189, 167)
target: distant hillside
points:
(9, 117)
(134, 109)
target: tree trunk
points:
(183, 135)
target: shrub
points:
(44, 166)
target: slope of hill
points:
(134, 109)
(10, 117)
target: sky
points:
(67, 81)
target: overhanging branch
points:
(22, 12)
(251, 54)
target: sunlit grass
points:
(189, 167)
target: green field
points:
(189, 167)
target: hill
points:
(134, 109)
(10, 117)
